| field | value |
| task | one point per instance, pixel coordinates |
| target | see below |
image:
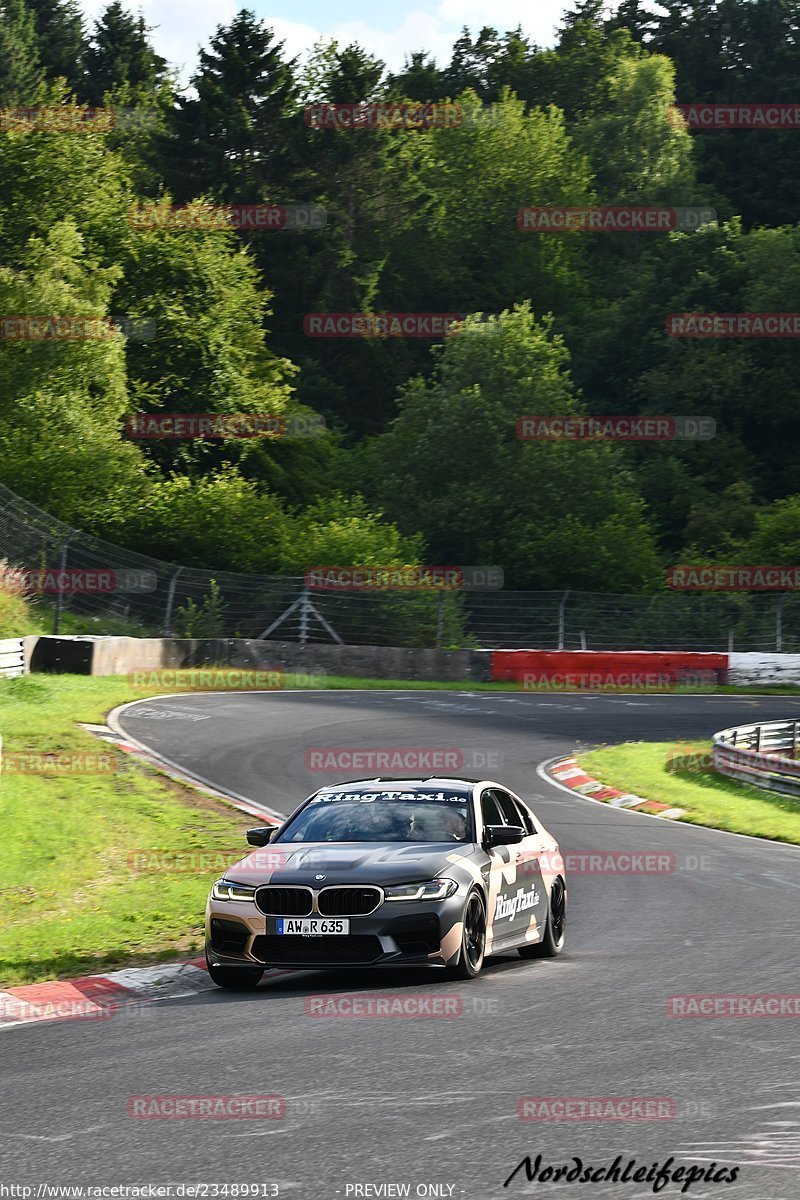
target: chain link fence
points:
(144, 596)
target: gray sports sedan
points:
(390, 872)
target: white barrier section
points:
(12, 662)
(755, 667)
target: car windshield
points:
(382, 817)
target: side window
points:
(490, 811)
(525, 816)
(508, 808)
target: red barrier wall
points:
(595, 669)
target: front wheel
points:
(235, 979)
(552, 943)
(473, 939)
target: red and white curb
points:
(571, 775)
(101, 997)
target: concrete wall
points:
(119, 655)
(764, 668)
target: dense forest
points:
(419, 459)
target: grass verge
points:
(706, 798)
(71, 902)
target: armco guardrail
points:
(764, 755)
(12, 658)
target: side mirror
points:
(261, 836)
(502, 835)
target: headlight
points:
(223, 889)
(433, 889)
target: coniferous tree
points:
(60, 35)
(120, 55)
(20, 70)
(233, 140)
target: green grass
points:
(705, 797)
(69, 901)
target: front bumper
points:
(396, 934)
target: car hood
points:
(347, 862)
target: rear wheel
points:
(235, 979)
(552, 943)
(473, 939)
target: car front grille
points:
(348, 901)
(284, 901)
(356, 950)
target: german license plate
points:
(312, 926)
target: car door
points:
(517, 902)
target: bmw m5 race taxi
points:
(401, 872)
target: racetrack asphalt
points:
(432, 1103)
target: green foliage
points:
(120, 54)
(775, 540)
(422, 463)
(59, 32)
(453, 464)
(20, 70)
(15, 615)
(206, 620)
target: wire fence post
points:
(167, 630)
(730, 641)
(779, 622)
(305, 605)
(562, 608)
(439, 619)
(62, 566)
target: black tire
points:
(235, 979)
(552, 943)
(473, 939)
